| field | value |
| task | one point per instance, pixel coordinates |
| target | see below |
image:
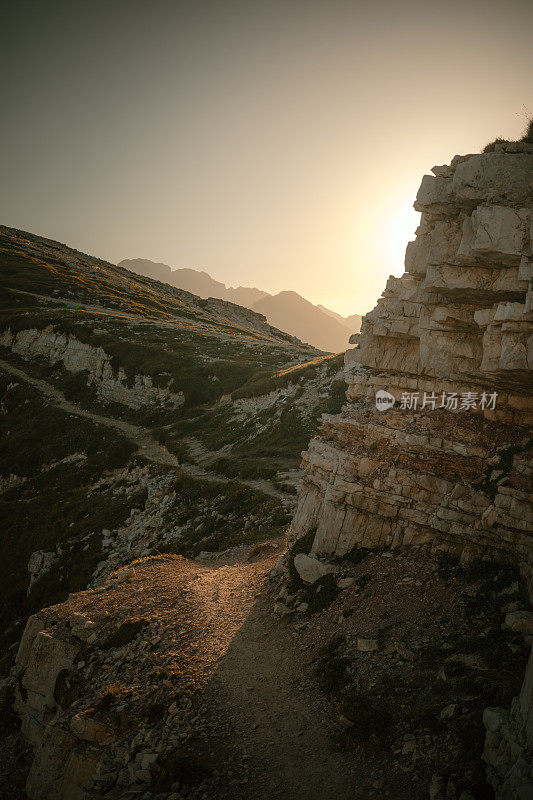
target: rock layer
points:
(451, 343)
(509, 744)
(434, 447)
(78, 357)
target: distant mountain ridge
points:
(286, 310)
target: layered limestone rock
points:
(434, 446)
(77, 357)
(444, 460)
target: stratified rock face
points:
(77, 357)
(451, 342)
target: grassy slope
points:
(180, 341)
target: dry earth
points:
(233, 701)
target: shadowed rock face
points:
(509, 744)
(451, 475)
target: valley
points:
(176, 421)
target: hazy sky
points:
(273, 144)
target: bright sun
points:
(401, 226)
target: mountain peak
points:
(286, 310)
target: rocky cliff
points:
(450, 341)
(433, 447)
(76, 357)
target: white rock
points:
(125, 574)
(450, 711)
(494, 718)
(311, 569)
(345, 583)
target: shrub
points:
(528, 135)
(491, 146)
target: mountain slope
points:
(353, 321)
(308, 320)
(287, 310)
(194, 281)
(190, 280)
(140, 418)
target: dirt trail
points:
(256, 694)
(204, 458)
(149, 448)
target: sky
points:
(271, 144)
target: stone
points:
(345, 583)
(457, 325)
(404, 652)
(444, 467)
(124, 574)
(434, 191)
(39, 563)
(520, 621)
(494, 234)
(367, 645)
(311, 569)
(494, 718)
(508, 750)
(91, 730)
(48, 657)
(496, 177)
(47, 771)
(34, 625)
(78, 357)
(449, 712)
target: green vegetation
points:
(226, 364)
(491, 146)
(223, 509)
(264, 381)
(51, 507)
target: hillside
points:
(139, 418)
(289, 311)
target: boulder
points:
(311, 569)
(90, 730)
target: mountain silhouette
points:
(287, 310)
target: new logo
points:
(384, 400)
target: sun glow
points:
(400, 229)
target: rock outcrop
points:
(444, 460)
(433, 448)
(75, 356)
